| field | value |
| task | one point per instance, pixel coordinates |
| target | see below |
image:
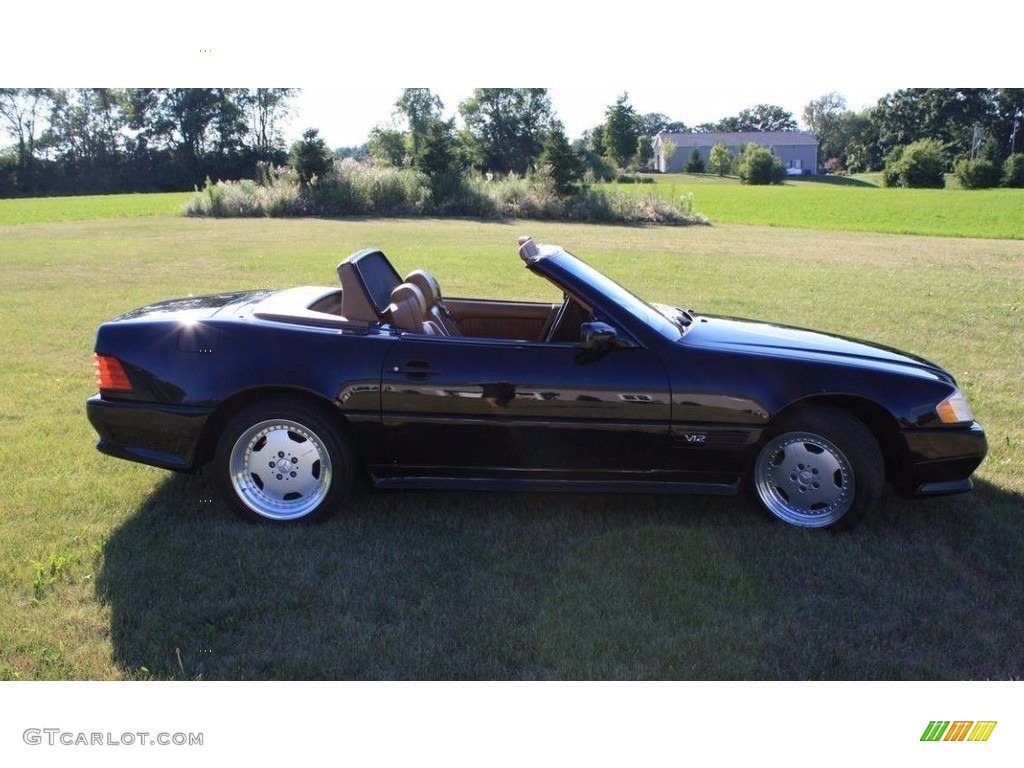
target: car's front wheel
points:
(819, 468)
(283, 462)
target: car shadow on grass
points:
(418, 585)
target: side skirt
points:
(546, 484)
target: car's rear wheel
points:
(283, 462)
(819, 468)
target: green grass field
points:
(111, 570)
(43, 209)
(855, 204)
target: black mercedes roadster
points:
(289, 393)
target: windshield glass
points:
(636, 306)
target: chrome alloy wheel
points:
(804, 479)
(280, 469)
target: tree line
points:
(513, 130)
(104, 140)
(71, 141)
(964, 123)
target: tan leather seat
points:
(408, 311)
(437, 311)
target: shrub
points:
(891, 172)
(562, 163)
(352, 188)
(835, 166)
(720, 160)
(454, 194)
(1013, 171)
(633, 178)
(694, 162)
(920, 165)
(977, 174)
(310, 157)
(760, 165)
(649, 207)
(277, 194)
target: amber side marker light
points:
(955, 410)
(110, 375)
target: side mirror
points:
(601, 337)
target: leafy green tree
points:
(387, 146)
(266, 110)
(230, 123)
(720, 159)
(21, 110)
(359, 152)
(654, 123)
(668, 151)
(1007, 120)
(759, 165)
(730, 125)
(861, 152)
(765, 117)
(919, 165)
(621, 131)
(180, 118)
(141, 139)
(947, 115)
(421, 110)
(441, 158)
(596, 166)
(594, 139)
(824, 117)
(1013, 171)
(310, 157)
(977, 174)
(440, 151)
(189, 122)
(505, 127)
(760, 118)
(86, 125)
(562, 162)
(694, 162)
(86, 137)
(644, 151)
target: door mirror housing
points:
(601, 337)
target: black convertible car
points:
(290, 392)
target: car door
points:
(489, 407)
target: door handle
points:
(416, 368)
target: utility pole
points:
(976, 139)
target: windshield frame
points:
(610, 297)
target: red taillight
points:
(110, 375)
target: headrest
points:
(408, 308)
(428, 286)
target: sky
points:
(693, 63)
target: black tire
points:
(819, 468)
(283, 462)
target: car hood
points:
(780, 340)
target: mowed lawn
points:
(48, 209)
(111, 570)
(853, 204)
